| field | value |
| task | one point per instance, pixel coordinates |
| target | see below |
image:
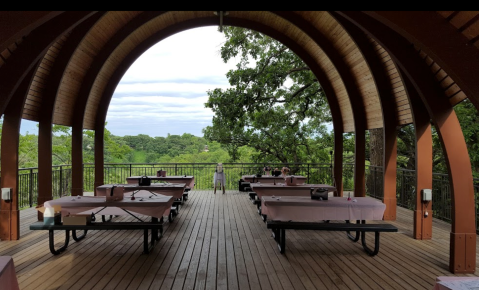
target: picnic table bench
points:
(304, 213)
(155, 227)
(147, 210)
(278, 228)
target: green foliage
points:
(469, 119)
(28, 151)
(186, 148)
(276, 105)
(61, 145)
(116, 149)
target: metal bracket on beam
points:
(221, 14)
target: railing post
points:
(30, 191)
(402, 188)
(307, 179)
(61, 181)
(130, 171)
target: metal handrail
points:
(203, 172)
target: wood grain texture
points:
(220, 242)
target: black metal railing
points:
(374, 181)
(406, 188)
(203, 173)
(28, 184)
(406, 191)
(348, 177)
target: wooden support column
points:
(44, 162)
(390, 172)
(423, 224)
(359, 158)
(463, 235)
(77, 160)
(422, 125)
(389, 114)
(99, 156)
(338, 160)
(9, 213)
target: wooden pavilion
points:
(379, 69)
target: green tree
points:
(61, 145)
(276, 105)
(28, 151)
(468, 118)
(116, 149)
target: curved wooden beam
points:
(31, 50)
(126, 63)
(48, 104)
(390, 119)
(354, 95)
(463, 235)
(9, 213)
(438, 38)
(82, 100)
(422, 127)
(16, 24)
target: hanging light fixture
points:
(221, 14)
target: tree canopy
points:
(275, 106)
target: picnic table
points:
(147, 210)
(304, 213)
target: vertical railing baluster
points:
(60, 193)
(315, 173)
(307, 175)
(30, 191)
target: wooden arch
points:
(67, 64)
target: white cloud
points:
(164, 91)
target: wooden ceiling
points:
(378, 69)
(75, 68)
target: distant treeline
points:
(128, 149)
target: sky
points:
(164, 91)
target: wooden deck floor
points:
(220, 242)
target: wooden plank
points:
(185, 277)
(200, 281)
(100, 261)
(254, 269)
(315, 266)
(222, 271)
(167, 272)
(60, 265)
(186, 256)
(234, 248)
(162, 260)
(213, 250)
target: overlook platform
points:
(218, 241)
